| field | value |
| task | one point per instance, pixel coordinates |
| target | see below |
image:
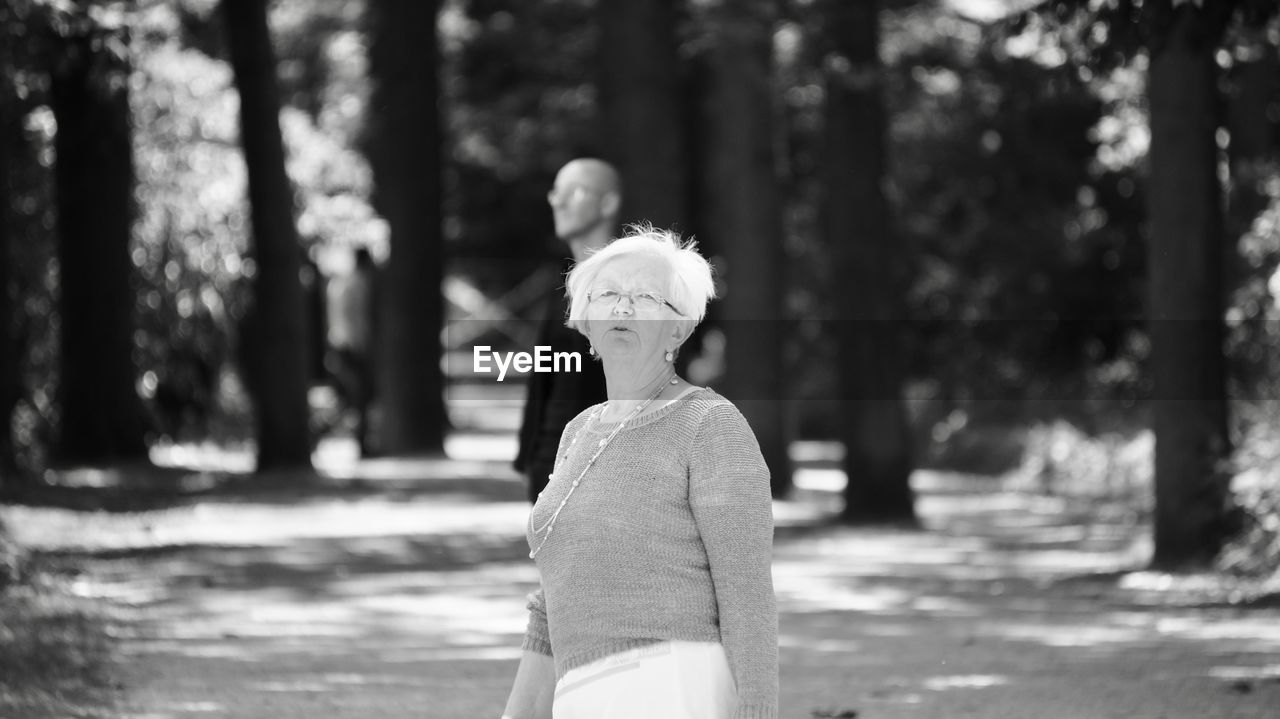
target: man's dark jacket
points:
(554, 398)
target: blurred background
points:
(1028, 240)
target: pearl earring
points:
(670, 357)
(591, 349)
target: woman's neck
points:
(627, 391)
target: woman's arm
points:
(730, 498)
(534, 688)
(535, 683)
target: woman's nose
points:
(618, 307)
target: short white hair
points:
(691, 285)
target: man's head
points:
(585, 200)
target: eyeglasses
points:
(567, 194)
(641, 301)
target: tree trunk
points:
(274, 336)
(404, 145)
(641, 97)
(1186, 299)
(102, 415)
(867, 304)
(743, 213)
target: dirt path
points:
(397, 591)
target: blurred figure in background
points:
(350, 309)
(585, 201)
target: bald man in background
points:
(585, 201)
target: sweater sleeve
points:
(536, 637)
(732, 505)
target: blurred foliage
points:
(1106, 34)
(1255, 550)
(1015, 181)
(521, 101)
(1253, 315)
(26, 42)
(190, 242)
(189, 238)
(1028, 264)
(1017, 152)
(1253, 340)
(56, 657)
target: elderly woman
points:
(654, 535)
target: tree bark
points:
(867, 302)
(1186, 299)
(102, 416)
(404, 145)
(641, 98)
(274, 335)
(744, 214)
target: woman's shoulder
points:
(706, 405)
(710, 398)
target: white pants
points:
(671, 680)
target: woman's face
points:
(623, 319)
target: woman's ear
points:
(681, 331)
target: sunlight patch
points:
(1262, 631)
(479, 447)
(197, 707)
(204, 457)
(365, 679)
(837, 646)
(797, 591)
(503, 653)
(1270, 671)
(300, 685)
(945, 605)
(820, 480)
(1067, 635)
(965, 681)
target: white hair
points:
(691, 286)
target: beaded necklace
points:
(550, 525)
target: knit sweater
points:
(667, 537)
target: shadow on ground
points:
(396, 588)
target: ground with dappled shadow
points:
(396, 588)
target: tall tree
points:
(743, 214)
(404, 151)
(1185, 301)
(867, 302)
(642, 99)
(274, 335)
(102, 414)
